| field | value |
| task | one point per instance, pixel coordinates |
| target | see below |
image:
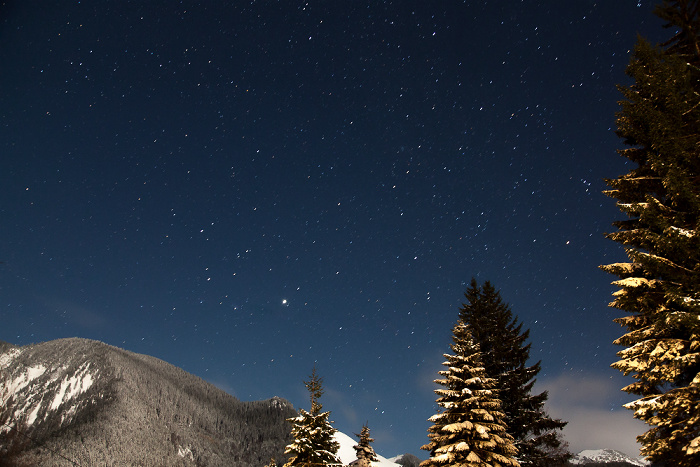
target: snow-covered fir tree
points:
(659, 287)
(363, 449)
(313, 443)
(506, 352)
(469, 429)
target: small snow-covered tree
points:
(363, 449)
(469, 430)
(503, 343)
(659, 288)
(313, 442)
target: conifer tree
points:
(363, 450)
(505, 350)
(313, 443)
(660, 285)
(469, 430)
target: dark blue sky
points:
(245, 191)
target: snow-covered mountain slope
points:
(84, 402)
(605, 456)
(347, 453)
(37, 390)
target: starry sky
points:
(249, 189)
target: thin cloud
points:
(584, 400)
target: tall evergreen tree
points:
(660, 285)
(503, 343)
(363, 449)
(469, 431)
(313, 443)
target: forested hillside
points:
(78, 401)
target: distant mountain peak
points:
(606, 456)
(280, 403)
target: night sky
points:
(246, 191)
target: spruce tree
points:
(363, 449)
(659, 286)
(313, 443)
(503, 343)
(469, 430)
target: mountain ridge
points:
(98, 403)
(594, 457)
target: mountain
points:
(82, 402)
(606, 457)
(406, 460)
(77, 401)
